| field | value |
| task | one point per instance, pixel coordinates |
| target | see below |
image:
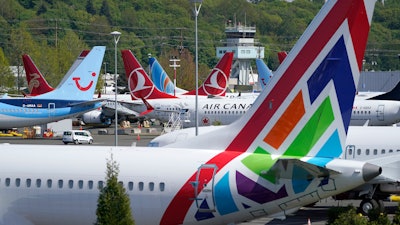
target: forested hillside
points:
(53, 32)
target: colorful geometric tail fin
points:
(80, 81)
(37, 85)
(306, 109)
(217, 81)
(139, 83)
(161, 80)
(264, 73)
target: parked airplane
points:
(72, 97)
(211, 110)
(379, 145)
(279, 156)
(377, 109)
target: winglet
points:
(139, 83)
(37, 85)
(217, 80)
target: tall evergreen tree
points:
(90, 8)
(113, 205)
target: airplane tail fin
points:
(306, 109)
(264, 73)
(217, 81)
(393, 94)
(139, 83)
(281, 56)
(161, 79)
(80, 81)
(37, 84)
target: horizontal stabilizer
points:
(313, 170)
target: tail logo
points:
(138, 86)
(78, 85)
(216, 84)
(34, 82)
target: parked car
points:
(77, 137)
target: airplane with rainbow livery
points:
(279, 156)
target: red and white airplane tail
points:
(37, 85)
(139, 83)
(217, 80)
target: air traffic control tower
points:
(240, 40)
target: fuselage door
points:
(51, 109)
(380, 112)
(204, 188)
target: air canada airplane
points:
(159, 105)
(73, 96)
(280, 155)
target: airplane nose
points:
(370, 171)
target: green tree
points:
(6, 77)
(113, 205)
(396, 217)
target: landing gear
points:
(368, 203)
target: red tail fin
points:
(37, 85)
(281, 56)
(217, 80)
(139, 82)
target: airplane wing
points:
(84, 103)
(109, 109)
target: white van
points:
(77, 137)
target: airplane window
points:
(28, 182)
(60, 183)
(367, 152)
(383, 151)
(375, 151)
(38, 183)
(100, 184)
(17, 182)
(390, 150)
(121, 183)
(70, 183)
(8, 181)
(162, 186)
(49, 183)
(80, 184)
(350, 151)
(141, 186)
(358, 151)
(151, 186)
(90, 184)
(130, 186)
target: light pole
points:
(105, 78)
(197, 7)
(116, 36)
(174, 60)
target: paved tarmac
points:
(317, 214)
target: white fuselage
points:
(375, 112)
(59, 185)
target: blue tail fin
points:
(80, 83)
(264, 73)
